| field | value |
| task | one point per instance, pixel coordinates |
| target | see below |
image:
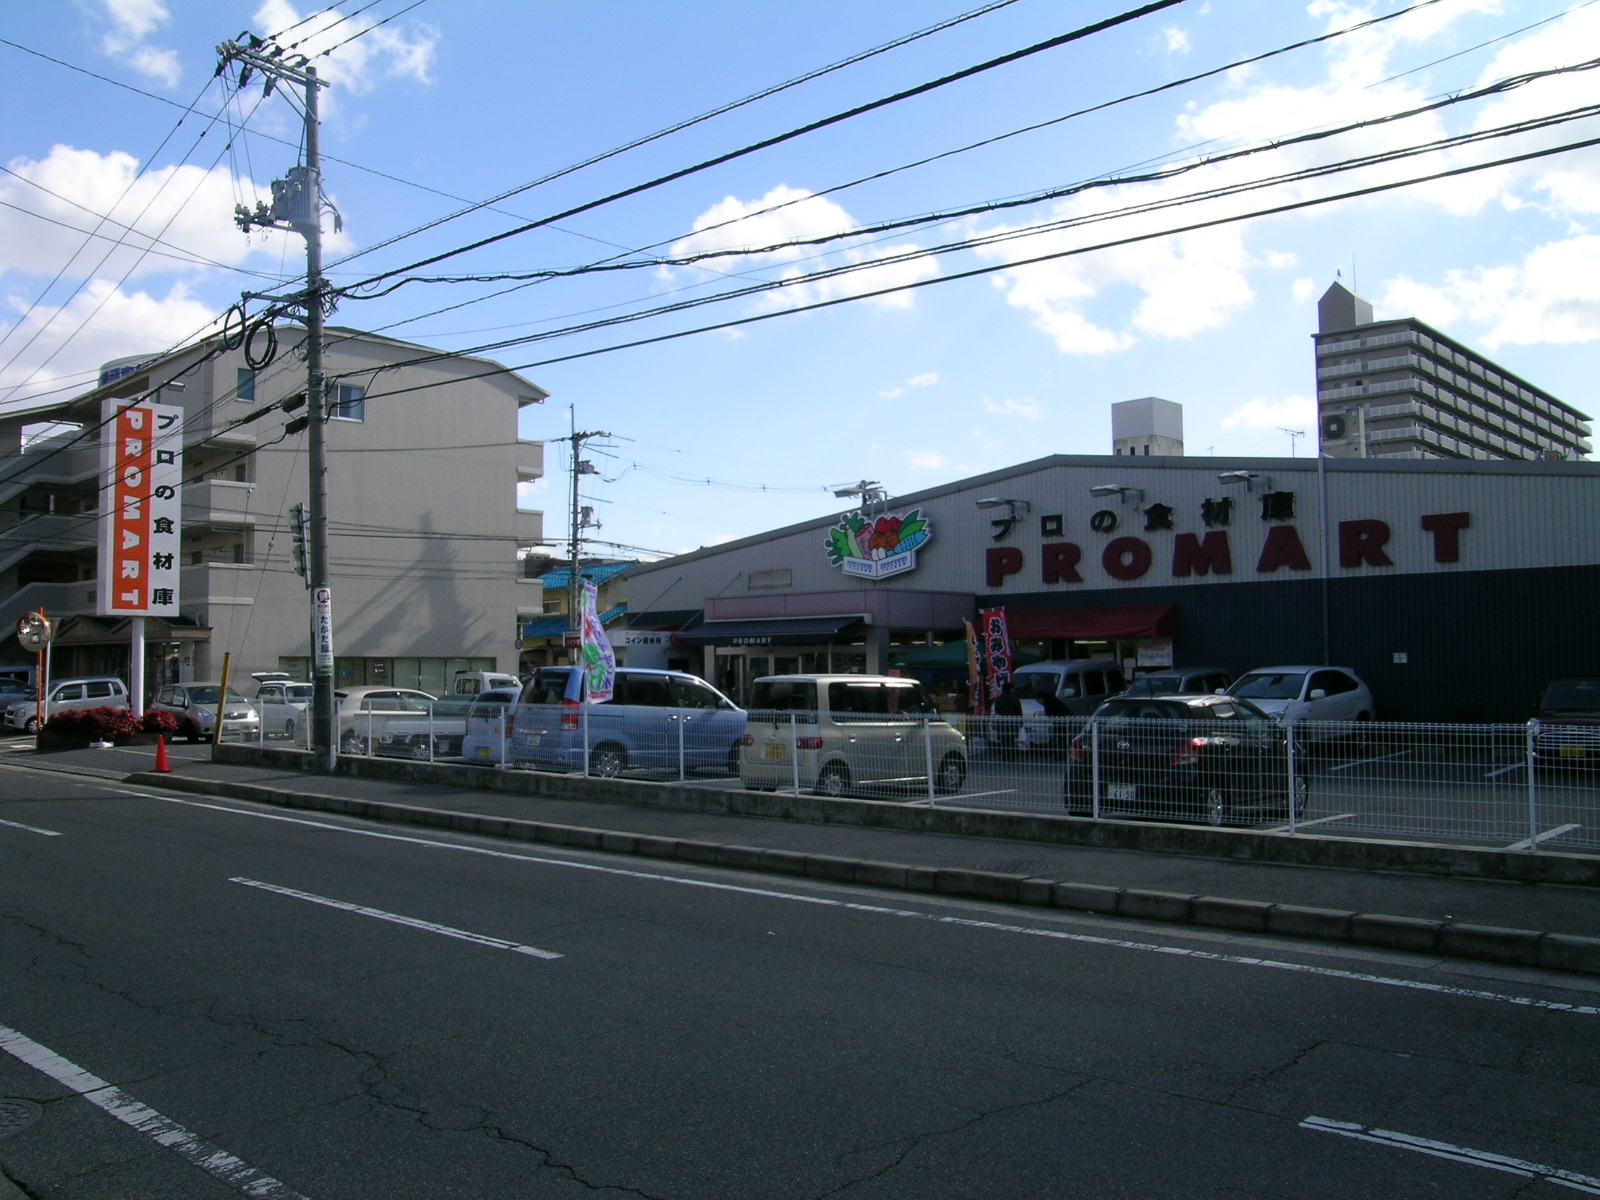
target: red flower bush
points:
(159, 720)
(93, 724)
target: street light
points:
(1119, 490)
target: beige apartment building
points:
(424, 460)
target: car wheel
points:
(193, 733)
(288, 730)
(32, 725)
(419, 750)
(952, 774)
(834, 780)
(1216, 807)
(353, 744)
(608, 761)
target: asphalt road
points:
(274, 1004)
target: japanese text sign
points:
(140, 509)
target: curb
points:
(1515, 947)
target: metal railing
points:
(1526, 787)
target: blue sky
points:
(728, 433)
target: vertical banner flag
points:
(997, 652)
(975, 672)
(599, 662)
(141, 457)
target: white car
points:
(282, 703)
(1293, 694)
(838, 734)
(194, 706)
(490, 721)
(103, 691)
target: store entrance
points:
(739, 666)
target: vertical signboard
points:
(322, 631)
(141, 455)
(599, 662)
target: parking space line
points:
(466, 935)
(1061, 935)
(1314, 821)
(162, 1130)
(1363, 762)
(1461, 1154)
(1530, 843)
(31, 828)
(1505, 770)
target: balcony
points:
(218, 502)
(530, 460)
(529, 527)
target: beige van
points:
(837, 734)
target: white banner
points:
(141, 508)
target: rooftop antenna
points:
(1294, 434)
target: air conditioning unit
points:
(1333, 427)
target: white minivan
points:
(843, 733)
(105, 691)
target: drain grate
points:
(17, 1114)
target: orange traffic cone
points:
(161, 755)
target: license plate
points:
(483, 752)
(1130, 792)
(1574, 752)
(776, 752)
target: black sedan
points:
(1212, 759)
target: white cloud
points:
(1295, 412)
(1028, 408)
(1177, 40)
(355, 62)
(1302, 290)
(132, 21)
(926, 379)
(892, 393)
(741, 230)
(189, 208)
(926, 460)
(1552, 297)
(101, 322)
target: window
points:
(245, 388)
(694, 694)
(350, 404)
(72, 691)
(650, 691)
(99, 688)
(1094, 683)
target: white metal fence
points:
(1523, 787)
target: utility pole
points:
(297, 205)
(580, 468)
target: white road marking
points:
(1317, 821)
(1438, 989)
(1362, 762)
(1505, 770)
(1530, 843)
(465, 935)
(1475, 1158)
(210, 1159)
(30, 828)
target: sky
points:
(898, 303)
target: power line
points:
(682, 125)
(800, 131)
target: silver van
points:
(1080, 685)
(102, 691)
(841, 733)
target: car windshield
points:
(1572, 695)
(298, 691)
(1155, 685)
(207, 694)
(1034, 685)
(548, 686)
(1269, 685)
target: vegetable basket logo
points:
(877, 547)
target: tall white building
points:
(1401, 389)
(423, 458)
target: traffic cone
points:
(161, 755)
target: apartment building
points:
(1401, 389)
(424, 460)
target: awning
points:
(664, 619)
(951, 654)
(1094, 624)
(777, 631)
(82, 629)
